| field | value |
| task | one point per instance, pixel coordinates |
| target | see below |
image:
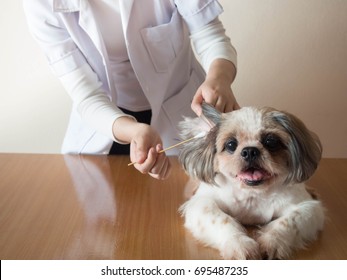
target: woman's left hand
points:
(216, 89)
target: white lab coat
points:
(159, 48)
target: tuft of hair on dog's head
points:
(197, 156)
(304, 147)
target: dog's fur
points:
(251, 166)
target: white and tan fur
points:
(252, 165)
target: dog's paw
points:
(240, 248)
(274, 245)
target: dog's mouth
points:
(254, 176)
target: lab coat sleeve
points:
(47, 29)
(70, 66)
(197, 13)
(92, 104)
(210, 43)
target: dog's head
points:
(254, 146)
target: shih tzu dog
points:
(251, 165)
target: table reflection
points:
(95, 190)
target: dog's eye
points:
(231, 145)
(272, 142)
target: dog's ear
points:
(212, 115)
(197, 155)
(304, 147)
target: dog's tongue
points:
(253, 175)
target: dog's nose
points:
(250, 153)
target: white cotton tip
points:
(201, 134)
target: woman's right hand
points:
(145, 145)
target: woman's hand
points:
(145, 145)
(216, 89)
(144, 150)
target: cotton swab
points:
(199, 135)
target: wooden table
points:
(96, 207)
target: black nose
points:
(250, 153)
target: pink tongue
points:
(255, 175)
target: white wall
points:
(34, 108)
(292, 55)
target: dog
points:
(251, 166)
